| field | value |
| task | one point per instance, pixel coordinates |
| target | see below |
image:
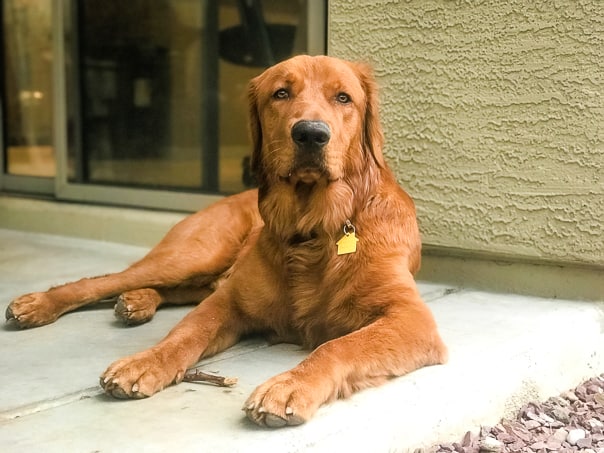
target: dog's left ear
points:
(373, 135)
(255, 128)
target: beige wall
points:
(494, 118)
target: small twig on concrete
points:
(199, 376)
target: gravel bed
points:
(573, 421)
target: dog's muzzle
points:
(310, 139)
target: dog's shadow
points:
(243, 423)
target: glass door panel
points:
(162, 84)
(27, 87)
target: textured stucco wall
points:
(494, 117)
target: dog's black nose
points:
(311, 134)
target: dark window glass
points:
(27, 87)
(162, 88)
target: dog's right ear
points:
(373, 136)
(255, 127)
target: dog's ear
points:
(373, 135)
(255, 128)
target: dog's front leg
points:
(391, 346)
(210, 328)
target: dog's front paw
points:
(284, 400)
(139, 376)
(31, 310)
(137, 306)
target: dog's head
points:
(312, 119)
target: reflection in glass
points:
(27, 76)
(163, 85)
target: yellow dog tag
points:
(348, 242)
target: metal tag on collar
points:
(348, 242)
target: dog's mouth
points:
(306, 174)
(309, 174)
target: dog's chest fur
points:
(321, 290)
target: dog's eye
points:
(343, 98)
(281, 93)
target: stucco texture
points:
(494, 118)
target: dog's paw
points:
(139, 376)
(31, 310)
(283, 400)
(137, 307)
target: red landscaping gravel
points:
(573, 421)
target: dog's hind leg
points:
(139, 306)
(194, 253)
(37, 309)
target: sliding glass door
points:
(141, 102)
(26, 95)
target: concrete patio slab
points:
(504, 350)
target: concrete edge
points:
(495, 387)
(105, 223)
(541, 280)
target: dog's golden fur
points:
(266, 261)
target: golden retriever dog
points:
(322, 254)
